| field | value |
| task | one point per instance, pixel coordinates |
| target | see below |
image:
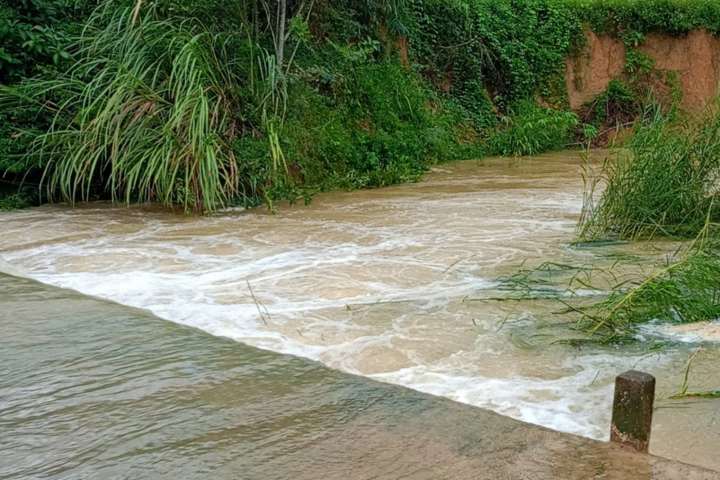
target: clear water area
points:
(397, 284)
(91, 389)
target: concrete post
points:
(633, 409)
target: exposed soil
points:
(402, 45)
(589, 73)
(694, 56)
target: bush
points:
(616, 105)
(165, 110)
(341, 110)
(375, 123)
(516, 48)
(530, 130)
(674, 17)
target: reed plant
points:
(608, 302)
(661, 184)
(683, 290)
(146, 112)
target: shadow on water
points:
(93, 389)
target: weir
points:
(148, 398)
(395, 284)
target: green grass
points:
(628, 292)
(197, 114)
(530, 130)
(684, 393)
(685, 290)
(144, 114)
(662, 184)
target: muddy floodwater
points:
(95, 390)
(398, 284)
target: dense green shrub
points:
(517, 48)
(374, 124)
(34, 37)
(529, 130)
(674, 17)
(164, 110)
(616, 105)
(36, 33)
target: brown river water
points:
(396, 284)
(95, 390)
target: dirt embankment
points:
(694, 56)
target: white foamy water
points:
(5, 267)
(396, 284)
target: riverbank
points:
(95, 388)
(372, 94)
(399, 284)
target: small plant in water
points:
(684, 389)
(685, 289)
(663, 185)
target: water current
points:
(397, 284)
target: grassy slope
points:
(345, 114)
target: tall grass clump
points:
(662, 184)
(530, 129)
(144, 112)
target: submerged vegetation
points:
(685, 289)
(208, 104)
(661, 186)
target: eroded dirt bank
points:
(695, 57)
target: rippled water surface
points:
(95, 390)
(397, 284)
